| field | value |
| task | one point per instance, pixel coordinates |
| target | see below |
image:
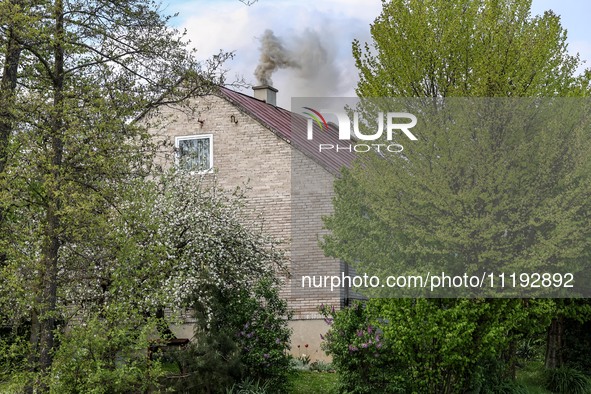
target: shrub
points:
(530, 348)
(100, 357)
(225, 270)
(577, 346)
(423, 345)
(259, 323)
(243, 338)
(359, 356)
(567, 380)
(321, 366)
(249, 386)
(13, 355)
(208, 365)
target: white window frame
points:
(195, 137)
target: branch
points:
(44, 62)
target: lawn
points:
(306, 382)
(531, 376)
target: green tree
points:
(178, 242)
(480, 48)
(8, 84)
(199, 251)
(471, 192)
(76, 76)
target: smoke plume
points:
(310, 60)
(273, 56)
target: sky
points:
(318, 35)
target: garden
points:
(102, 249)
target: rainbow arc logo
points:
(317, 117)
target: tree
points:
(488, 48)
(8, 85)
(182, 243)
(472, 191)
(76, 76)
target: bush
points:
(577, 346)
(208, 365)
(13, 355)
(321, 366)
(359, 355)
(102, 357)
(530, 349)
(423, 345)
(249, 386)
(567, 380)
(260, 325)
(244, 338)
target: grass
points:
(171, 368)
(532, 377)
(306, 382)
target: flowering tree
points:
(206, 258)
(176, 242)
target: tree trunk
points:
(7, 90)
(555, 343)
(49, 289)
(51, 246)
(32, 359)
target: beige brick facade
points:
(289, 190)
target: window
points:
(195, 152)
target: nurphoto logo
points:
(392, 121)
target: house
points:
(250, 140)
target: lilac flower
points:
(266, 356)
(359, 333)
(353, 348)
(364, 345)
(369, 329)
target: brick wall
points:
(312, 193)
(290, 191)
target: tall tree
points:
(12, 54)
(476, 191)
(476, 48)
(80, 74)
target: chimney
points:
(265, 93)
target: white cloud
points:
(328, 24)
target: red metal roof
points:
(292, 128)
